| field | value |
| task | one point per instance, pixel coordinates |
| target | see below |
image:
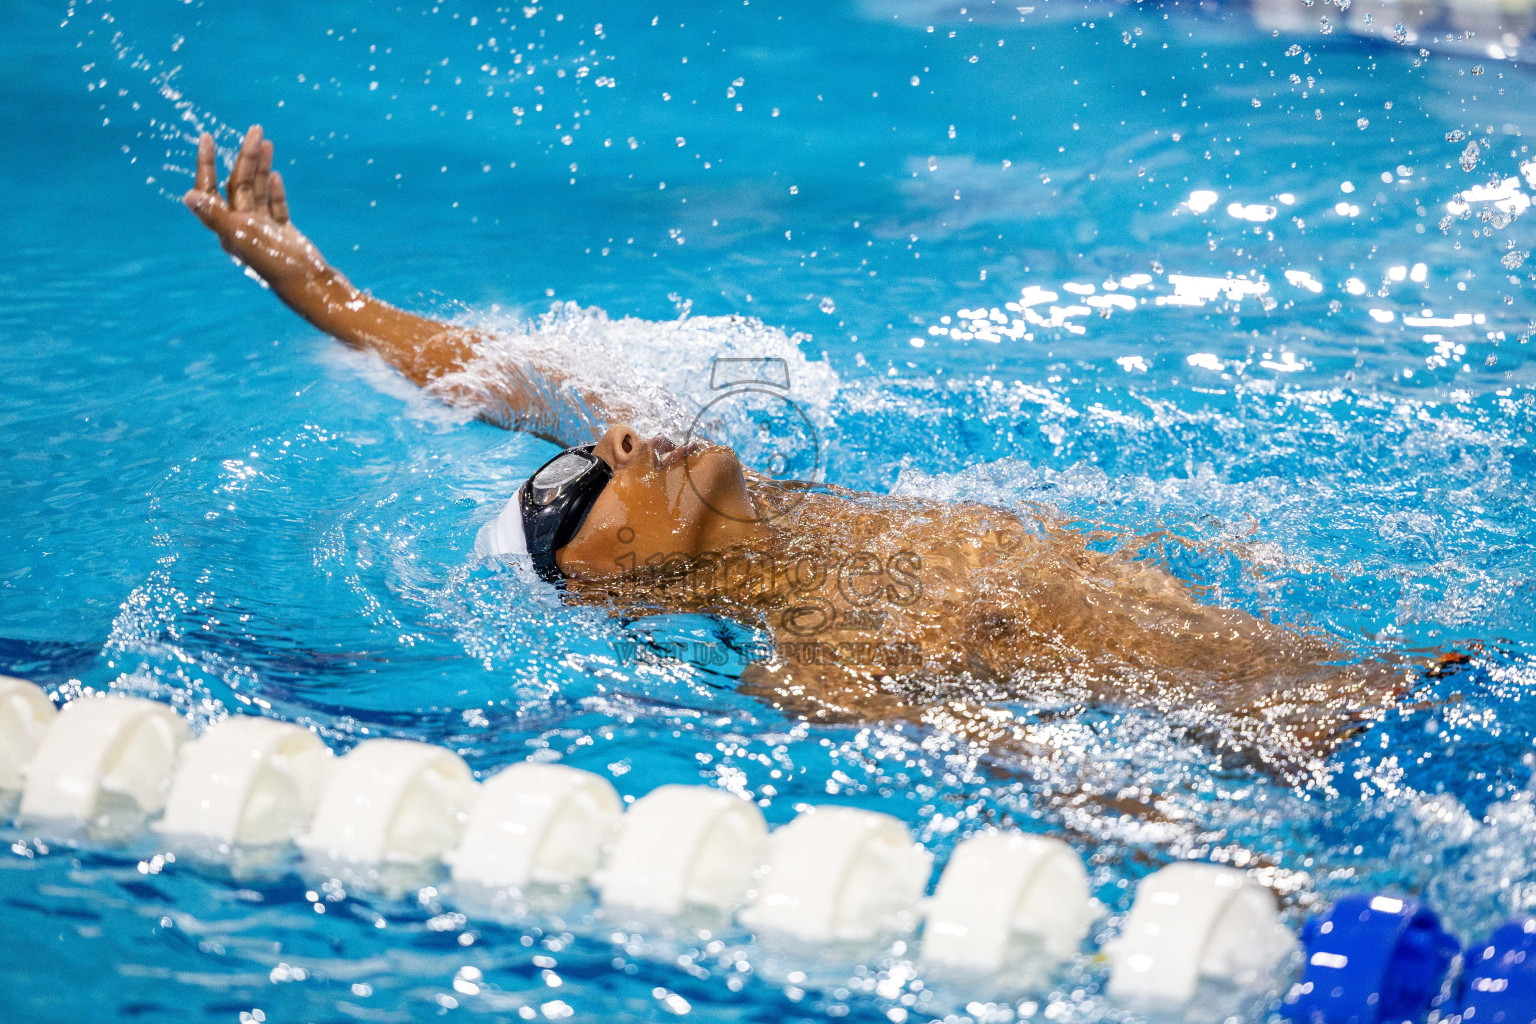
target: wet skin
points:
(881, 608)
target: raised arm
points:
(253, 225)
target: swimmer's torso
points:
(886, 607)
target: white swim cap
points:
(504, 537)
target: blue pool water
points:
(1281, 328)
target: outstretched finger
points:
(203, 197)
(239, 184)
(209, 207)
(207, 174)
(263, 171)
(278, 198)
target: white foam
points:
(657, 370)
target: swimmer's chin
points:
(699, 457)
(710, 467)
(716, 492)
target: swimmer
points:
(881, 608)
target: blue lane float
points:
(1371, 960)
(1499, 983)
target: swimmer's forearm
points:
(253, 225)
(420, 348)
(426, 350)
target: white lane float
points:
(533, 823)
(1191, 923)
(247, 780)
(99, 751)
(1008, 903)
(681, 847)
(840, 874)
(25, 714)
(391, 801)
(832, 874)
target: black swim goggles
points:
(555, 501)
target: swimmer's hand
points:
(252, 224)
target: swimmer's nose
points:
(619, 447)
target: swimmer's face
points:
(663, 501)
